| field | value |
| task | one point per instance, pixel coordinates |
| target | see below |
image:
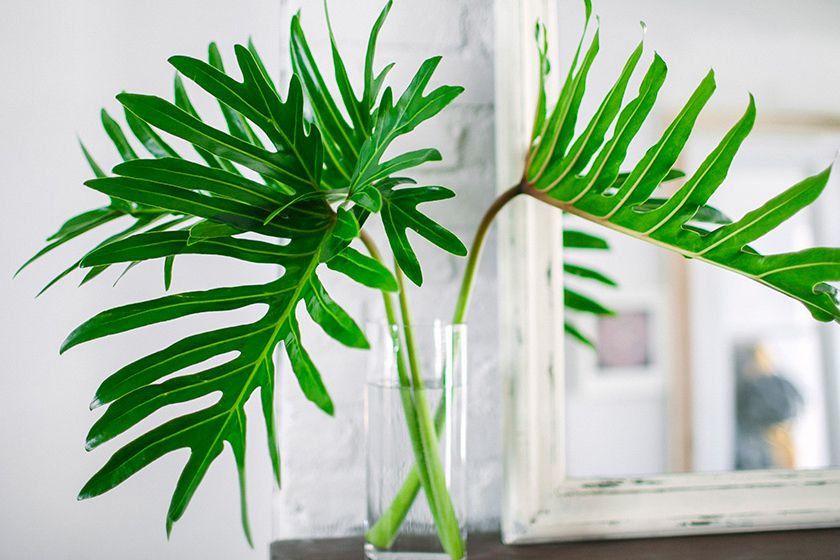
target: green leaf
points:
(341, 144)
(116, 203)
(556, 130)
(578, 302)
(399, 212)
(182, 101)
(369, 199)
(332, 318)
(589, 274)
(576, 334)
(94, 167)
(592, 137)
(237, 124)
(541, 38)
(141, 222)
(392, 121)
(146, 246)
(346, 226)
(207, 229)
(71, 229)
(357, 110)
(672, 175)
(363, 270)
(167, 272)
(705, 214)
(162, 114)
(374, 83)
(84, 222)
(625, 202)
(154, 144)
(574, 239)
(204, 431)
(298, 160)
(193, 176)
(115, 133)
(252, 48)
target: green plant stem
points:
(386, 528)
(465, 292)
(428, 471)
(447, 521)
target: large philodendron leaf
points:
(581, 176)
(274, 173)
(357, 146)
(183, 187)
(136, 391)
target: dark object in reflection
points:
(766, 403)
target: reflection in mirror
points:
(699, 370)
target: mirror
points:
(701, 370)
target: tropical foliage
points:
(292, 181)
(309, 181)
(581, 175)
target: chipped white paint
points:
(683, 504)
(530, 279)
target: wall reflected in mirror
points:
(701, 370)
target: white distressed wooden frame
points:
(539, 502)
(530, 277)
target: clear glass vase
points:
(415, 423)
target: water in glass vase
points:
(416, 445)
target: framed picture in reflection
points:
(630, 351)
(624, 340)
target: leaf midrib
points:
(529, 189)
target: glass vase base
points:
(373, 553)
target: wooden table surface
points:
(818, 544)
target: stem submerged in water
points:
(436, 490)
(384, 531)
(428, 471)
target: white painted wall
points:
(61, 62)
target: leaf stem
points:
(446, 519)
(428, 471)
(385, 529)
(465, 292)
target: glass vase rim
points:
(415, 324)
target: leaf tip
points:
(710, 75)
(68, 343)
(177, 60)
(19, 270)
